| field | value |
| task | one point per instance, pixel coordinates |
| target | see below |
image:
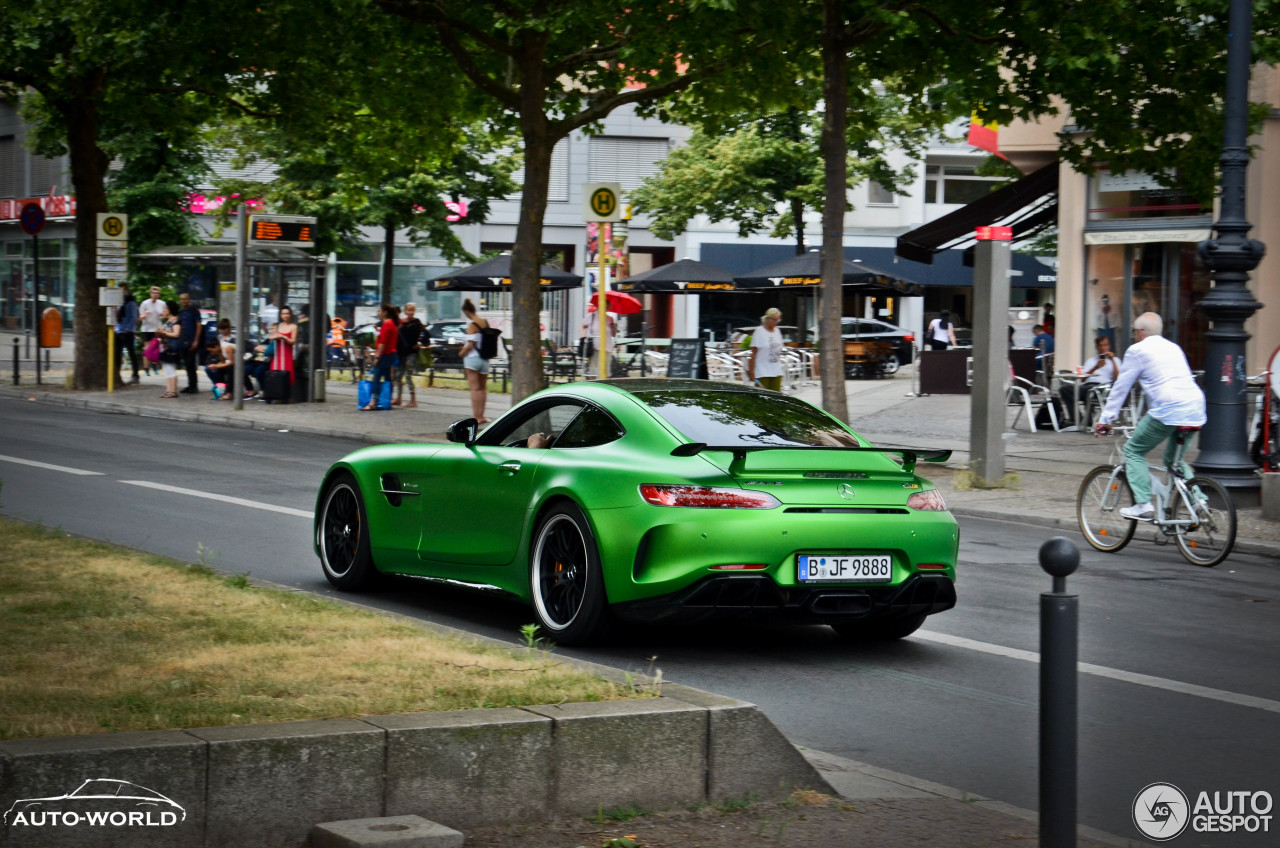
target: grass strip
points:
(98, 639)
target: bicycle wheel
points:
(1098, 509)
(1209, 540)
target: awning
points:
(225, 254)
(1029, 196)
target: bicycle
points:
(1197, 512)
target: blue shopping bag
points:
(365, 388)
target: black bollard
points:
(16, 343)
(1059, 627)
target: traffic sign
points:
(113, 225)
(602, 202)
(31, 218)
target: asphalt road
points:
(1182, 682)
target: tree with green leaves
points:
(96, 75)
(555, 66)
(378, 139)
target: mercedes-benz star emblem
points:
(846, 491)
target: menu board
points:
(688, 359)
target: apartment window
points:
(956, 184)
(8, 167)
(628, 161)
(558, 187)
(878, 195)
(46, 175)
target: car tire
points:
(342, 535)
(890, 366)
(566, 582)
(879, 630)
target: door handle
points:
(509, 468)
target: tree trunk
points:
(526, 255)
(797, 221)
(388, 260)
(88, 174)
(834, 152)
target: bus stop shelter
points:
(279, 276)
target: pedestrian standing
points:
(765, 364)
(409, 332)
(591, 333)
(942, 333)
(189, 322)
(126, 327)
(170, 334)
(384, 353)
(285, 336)
(150, 321)
(475, 366)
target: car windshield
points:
(456, 329)
(724, 419)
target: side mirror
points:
(462, 431)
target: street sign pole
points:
(602, 319)
(602, 203)
(35, 297)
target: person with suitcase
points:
(278, 384)
(384, 352)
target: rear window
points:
(730, 419)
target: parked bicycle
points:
(1197, 513)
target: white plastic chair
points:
(1027, 397)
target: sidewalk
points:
(1049, 466)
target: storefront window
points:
(1126, 280)
(1114, 197)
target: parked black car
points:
(875, 330)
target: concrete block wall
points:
(266, 785)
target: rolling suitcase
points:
(275, 386)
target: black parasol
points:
(495, 274)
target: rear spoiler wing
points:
(909, 455)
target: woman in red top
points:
(285, 335)
(385, 359)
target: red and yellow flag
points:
(984, 135)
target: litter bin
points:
(51, 327)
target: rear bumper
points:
(758, 597)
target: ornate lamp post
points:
(1230, 257)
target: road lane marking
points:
(64, 469)
(1236, 698)
(300, 513)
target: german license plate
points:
(860, 568)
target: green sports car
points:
(653, 500)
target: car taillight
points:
(707, 496)
(932, 566)
(740, 566)
(909, 337)
(930, 500)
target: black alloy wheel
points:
(343, 535)
(565, 578)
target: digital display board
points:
(282, 229)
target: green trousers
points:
(1146, 436)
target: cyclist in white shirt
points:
(1173, 400)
